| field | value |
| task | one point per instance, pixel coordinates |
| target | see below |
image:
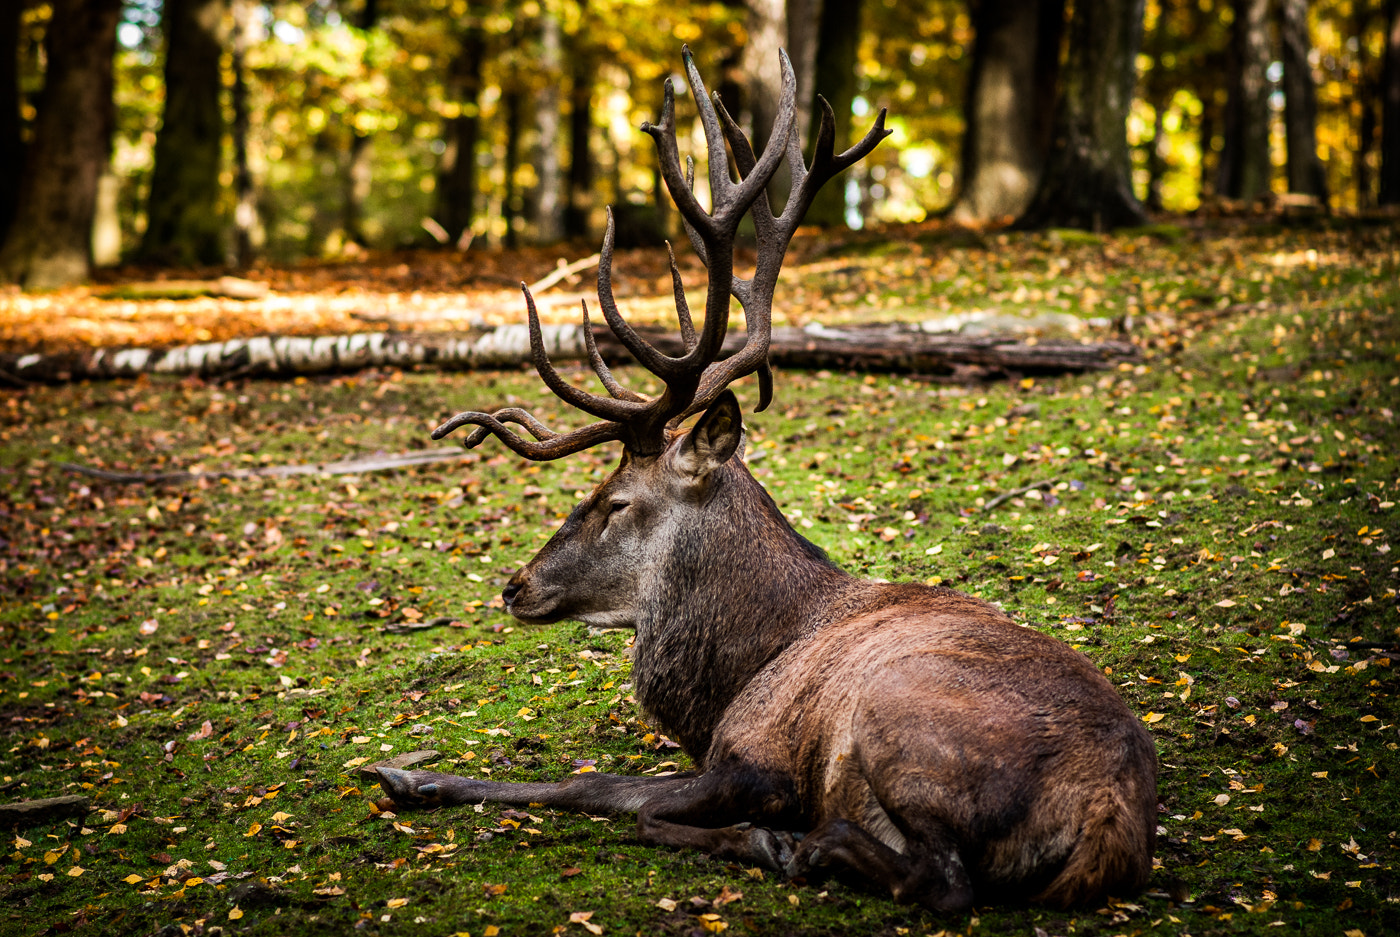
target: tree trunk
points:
(359, 169)
(774, 25)
(549, 206)
(1245, 167)
(1305, 173)
(579, 208)
(1086, 183)
(1363, 103)
(183, 223)
(456, 184)
(245, 212)
(838, 42)
(1006, 111)
(11, 143)
(1390, 108)
(513, 107)
(49, 243)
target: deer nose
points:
(511, 590)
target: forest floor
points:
(212, 663)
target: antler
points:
(696, 378)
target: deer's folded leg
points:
(716, 814)
(930, 872)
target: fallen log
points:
(897, 347)
(30, 812)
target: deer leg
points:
(716, 813)
(595, 792)
(930, 873)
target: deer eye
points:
(618, 506)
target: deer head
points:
(601, 560)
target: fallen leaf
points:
(667, 904)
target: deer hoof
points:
(405, 791)
(803, 861)
(771, 850)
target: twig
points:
(1007, 496)
(404, 627)
(559, 273)
(350, 467)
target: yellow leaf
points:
(235, 913)
(491, 931)
(132, 879)
(21, 842)
(1314, 845)
(1369, 719)
(253, 830)
(1152, 718)
(117, 828)
(76, 871)
(1225, 603)
(396, 902)
(281, 817)
(667, 904)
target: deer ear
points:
(714, 440)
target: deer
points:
(913, 736)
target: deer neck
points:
(732, 593)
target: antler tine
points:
(826, 164)
(552, 445)
(732, 202)
(682, 307)
(607, 408)
(600, 367)
(668, 154)
(654, 361)
(714, 138)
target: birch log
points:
(899, 347)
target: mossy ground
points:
(210, 662)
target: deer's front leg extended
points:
(593, 792)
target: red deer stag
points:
(914, 735)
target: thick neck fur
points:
(735, 590)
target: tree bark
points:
(838, 42)
(513, 108)
(1245, 167)
(1009, 100)
(1390, 108)
(1305, 173)
(549, 206)
(579, 207)
(774, 25)
(456, 184)
(1086, 181)
(11, 143)
(50, 240)
(245, 211)
(359, 167)
(183, 222)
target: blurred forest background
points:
(216, 132)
